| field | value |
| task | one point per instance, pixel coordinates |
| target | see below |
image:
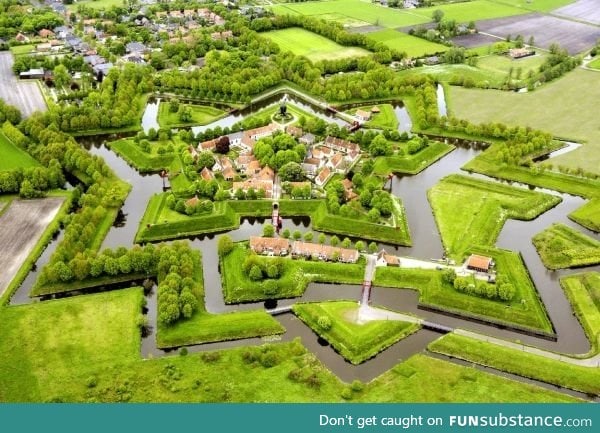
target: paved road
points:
(21, 225)
(25, 95)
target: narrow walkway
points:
(367, 281)
(593, 361)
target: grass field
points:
(411, 45)
(471, 212)
(201, 115)
(13, 157)
(312, 46)
(96, 4)
(560, 246)
(583, 291)
(43, 344)
(144, 162)
(525, 364)
(594, 64)
(503, 65)
(351, 11)
(355, 342)
(565, 107)
(21, 50)
(385, 119)
(412, 164)
(588, 215)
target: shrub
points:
(324, 323)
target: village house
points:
(349, 190)
(21, 37)
(252, 168)
(310, 166)
(221, 36)
(256, 185)
(269, 246)
(266, 174)
(323, 176)
(192, 202)
(45, 33)
(479, 263)
(235, 138)
(43, 48)
(294, 131)
(208, 145)
(206, 174)
(519, 53)
(251, 136)
(341, 145)
(385, 259)
(336, 163)
(135, 47)
(362, 115)
(323, 252)
(307, 139)
(242, 162)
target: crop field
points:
(357, 342)
(13, 157)
(582, 10)
(315, 47)
(588, 215)
(561, 246)
(472, 212)
(565, 107)
(20, 227)
(374, 14)
(574, 36)
(411, 45)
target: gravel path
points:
(25, 95)
(21, 225)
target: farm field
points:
(594, 64)
(588, 215)
(356, 10)
(565, 107)
(484, 207)
(411, 45)
(14, 157)
(20, 227)
(315, 47)
(503, 64)
(581, 10)
(561, 246)
(571, 35)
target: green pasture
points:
(411, 45)
(565, 107)
(471, 212)
(315, 47)
(588, 215)
(355, 341)
(561, 246)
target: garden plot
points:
(573, 36)
(21, 225)
(583, 10)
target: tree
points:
(449, 275)
(286, 233)
(26, 190)
(334, 241)
(61, 76)
(185, 113)
(360, 245)
(380, 146)
(346, 243)
(268, 230)
(222, 145)
(224, 245)
(291, 172)
(255, 273)
(174, 105)
(372, 247)
(437, 15)
(297, 235)
(308, 236)
(322, 238)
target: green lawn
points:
(525, 310)
(588, 215)
(471, 212)
(143, 161)
(594, 64)
(315, 47)
(525, 364)
(355, 342)
(201, 115)
(566, 107)
(385, 119)
(96, 4)
(560, 246)
(20, 50)
(503, 65)
(14, 157)
(354, 11)
(46, 345)
(412, 164)
(411, 45)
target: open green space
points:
(524, 310)
(311, 45)
(144, 162)
(584, 379)
(21, 50)
(412, 164)
(588, 215)
(594, 64)
(565, 107)
(411, 45)
(96, 4)
(503, 65)
(583, 291)
(43, 344)
(291, 282)
(561, 246)
(201, 115)
(471, 212)
(337, 323)
(385, 119)
(350, 11)
(13, 157)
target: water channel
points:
(515, 236)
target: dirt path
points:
(21, 225)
